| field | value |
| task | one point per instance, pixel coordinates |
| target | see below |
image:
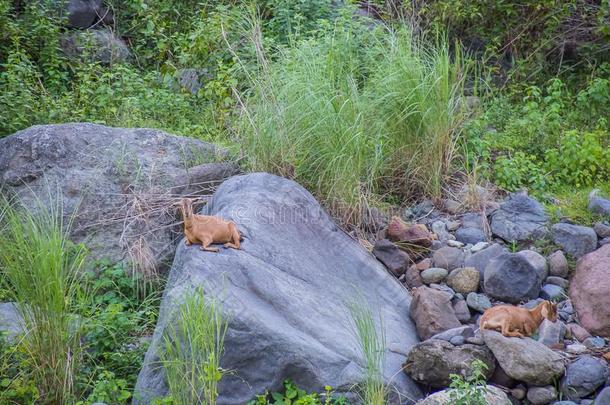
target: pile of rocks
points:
(473, 264)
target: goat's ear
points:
(545, 311)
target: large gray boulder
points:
(493, 395)
(525, 359)
(119, 183)
(519, 218)
(511, 277)
(75, 13)
(597, 204)
(287, 294)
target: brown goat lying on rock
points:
(207, 229)
(520, 322)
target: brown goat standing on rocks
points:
(207, 229)
(520, 322)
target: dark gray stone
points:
(558, 264)
(537, 261)
(83, 13)
(511, 278)
(474, 220)
(594, 342)
(192, 79)
(470, 235)
(583, 377)
(575, 240)
(519, 218)
(433, 361)
(119, 183)
(478, 302)
(461, 310)
(551, 333)
(603, 397)
(541, 395)
(392, 257)
(284, 319)
(481, 259)
(561, 282)
(457, 340)
(598, 205)
(602, 230)
(99, 45)
(433, 275)
(11, 322)
(448, 258)
(552, 292)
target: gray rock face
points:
(604, 396)
(119, 183)
(537, 261)
(391, 256)
(101, 46)
(470, 235)
(583, 377)
(465, 331)
(11, 323)
(432, 312)
(525, 359)
(448, 258)
(575, 240)
(519, 218)
(285, 320)
(462, 313)
(511, 278)
(433, 361)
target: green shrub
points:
(469, 390)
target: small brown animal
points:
(207, 229)
(517, 321)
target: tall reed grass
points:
(356, 113)
(192, 352)
(41, 270)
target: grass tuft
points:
(41, 270)
(193, 348)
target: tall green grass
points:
(41, 270)
(356, 113)
(192, 352)
(371, 339)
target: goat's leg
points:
(205, 243)
(234, 237)
(507, 332)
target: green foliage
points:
(537, 37)
(470, 390)
(192, 351)
(548, 140)
(356, 113)
(293, 395)
(42, 271)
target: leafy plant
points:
(469, 390)
(192, 351)
(292, 395)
